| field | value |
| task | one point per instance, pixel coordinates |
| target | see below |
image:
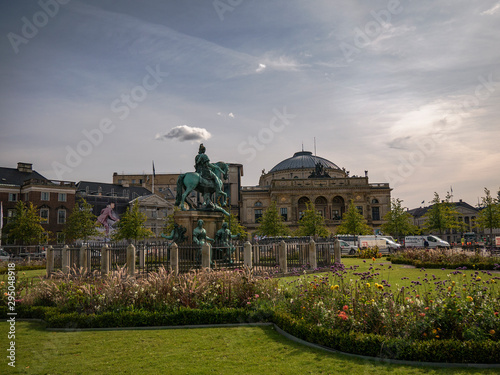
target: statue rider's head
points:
(202, 149)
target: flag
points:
(422, 202)
(451, 189)
(1, 215)
(154, 174)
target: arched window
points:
(303, 202)
(374, 201)
(258, 204)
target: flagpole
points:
(153, 182)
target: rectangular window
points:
(60, 237)
(375, 213)
(26, 197)
(13, 197)
(284, 213)
(62, 197)
(258, 215)
(336, 215)
(45, 196)
(360, 209)
(44, 215)
(61, 217)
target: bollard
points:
(65, 259)
(174, 258)
(105, 255)
(337, 252)
(282, 257)
(247, 255)
(84, 259)
(50, 261)
(206, 250)
(142, 254)
(131, 260)
(313, 260)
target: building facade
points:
(53, 199)
(305, 178)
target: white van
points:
(420, 241)
(372, 241)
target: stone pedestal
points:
(212, 221)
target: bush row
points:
(428, 264)
(446, 351)
(4, 270)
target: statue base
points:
(212, 221)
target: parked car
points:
(425, 241)
(346, 248)
(4, 256)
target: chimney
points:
(25, 167)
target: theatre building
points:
(305, 178)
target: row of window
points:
(61, 216)
(44, 196)
(336, 215)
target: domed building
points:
(305, 178)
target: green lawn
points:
(236, 350)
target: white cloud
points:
(231, 115)
(261, 68)
(185, 133)
(492, 10)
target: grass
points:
(235, 350)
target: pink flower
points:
(256, 296)
(422, 314)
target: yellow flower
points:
(334, 287)
(478, 278)
(470, 299)
(368, 285)
(449, 289)
(492, 332)
(453, 283)
(493, 281)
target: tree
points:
(489, 214)
(398, 222)
(312, 223)
(25, 226)
(271, 223)
(81, 222)
(441, 215)
(132, 225)
(353, 222)
(236, 228)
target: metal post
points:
(206, 250)
(50, 261)
(247, 255)
(174, 258)
(282, 256)
(313, 261)
(142, 254)
(131, 259)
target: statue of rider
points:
(203, 165)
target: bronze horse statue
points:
(190, 181)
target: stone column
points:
(50, 261)
(174, 258)
(337, 251)
(247, 255)
(105, 255)
(313, 261)
(206, 250)
(282, 256)
(84, 259)
(65, 259)
(131, 260)
(142, 254)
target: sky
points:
(407, 90)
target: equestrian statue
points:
(207, 180)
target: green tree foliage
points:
(353, 222)
(441, 215)
(271, 223)
(489, 215)
(236, 228)
(132, 225)
(81, 222)
(398, 222)
(25, 226)
(312, 223)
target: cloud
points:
(185, 133)
(231, 115)
(261, 68)
(492, 10)
(400, 143)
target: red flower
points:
(422, 314)
(346, 308)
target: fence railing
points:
(263, 257)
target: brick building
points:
(54, 199)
